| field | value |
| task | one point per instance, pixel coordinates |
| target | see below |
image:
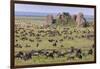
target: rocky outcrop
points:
(66, 19)
(80, 20)
(74, 17)
(49, 19)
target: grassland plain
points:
(36, 22)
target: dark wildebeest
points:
(39, 40)
(24, 38)
(79, 53)
(71, 50)
(71, 53)
(93, 46)
(61, 40)
(61, 53)
(62, 45)
(18, 46)
(37, 45)
(50, 40)
(71, 56)
(28, 45)
(27, 56)
(19, 55)
(31, 40)
(48, 54)
(35, 53)
(90, 52)
(55, 44)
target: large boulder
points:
(74, 17)
(59, 18)
(80, 20)
(49, 19)
(64, 19)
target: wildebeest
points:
(62, 45)
(55, 44)
(71, 50)
(71, 56)
(19, 55)
(51, 40)
(35, 53)
(27, 56)
(24, 38)
(37, 45)
(39, 40)
(79, 53)
(31, 40)
(73, 53)
(90, 52)
(28, 45)
(61, 40)
(61, 54)
(18, 46)
(93, 46)
(50, 55)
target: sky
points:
(52, 9)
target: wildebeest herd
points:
(41, 44)
(71, 53)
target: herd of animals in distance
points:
(63, 38)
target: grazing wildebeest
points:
(31, 34)
(18, 46)
(90, 52)
(61, 54)
(27, 56)
(35, 53)
(50, 40)
(37, 45)
(28, 45)
(19, 55)
(79, 56)
(24, 38)
(83, 36)
(38, 35)
(56, 41)
(62, 45)
(93, 46)
(55, 44)
(61, 40)
(65, 37)
(16, 40)
(79, 53)
(49, 55)
(17, 36)
(71, 56)
(71, 53)
(89, 36)
(70, 38)
(71, 50)
(39, 40)
(31, 40)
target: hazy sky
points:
(52, 9)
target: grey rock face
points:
(67, 19)
(49, 19)
(63, 18)
(80, 20)
(74, 17)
